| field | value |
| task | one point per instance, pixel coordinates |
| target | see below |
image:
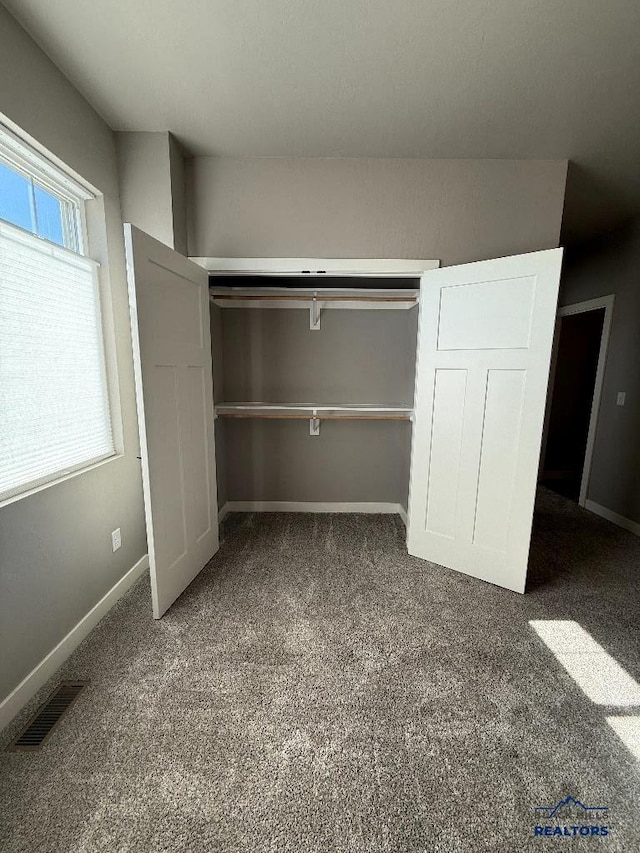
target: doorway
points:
(582, 333)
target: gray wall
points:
(356, 357)
(178, 194)
(349, 461)
(152, 195)
(613, 266)
(55, 549)
(452, 210)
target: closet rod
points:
(320, 416)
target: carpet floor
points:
(318, 690)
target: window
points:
(34, 203)
(55, 415)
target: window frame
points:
(24, 160)
(30, 160)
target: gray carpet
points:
(316, 689)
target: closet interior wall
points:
(357, 356)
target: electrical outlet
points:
(116, 539)
(621, 398)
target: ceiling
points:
(369, 78)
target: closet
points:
(379, 386)
(313, 384)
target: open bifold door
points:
(169, 300)
(484, 347)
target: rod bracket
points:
(314, 319)
(314, 424)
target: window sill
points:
(61, 479)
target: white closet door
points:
(169, 299)
(484, 346)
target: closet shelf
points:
(313, 411)
(316, 300)
(379, 299)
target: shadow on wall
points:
(592, 207)
(596, 267)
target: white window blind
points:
(54, 404)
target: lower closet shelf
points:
(312, 411)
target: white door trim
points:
(605, 302)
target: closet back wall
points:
(270, 355)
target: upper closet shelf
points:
(316, 300)
(275, 298)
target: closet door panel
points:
(446, 442)
(198, 449)
(484, 347)
(169, 300)
(169, 503)
(498, 457)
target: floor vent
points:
(48, 715)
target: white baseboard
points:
(372, 507)
(620, 520)
(39, 676)
(403, 514)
